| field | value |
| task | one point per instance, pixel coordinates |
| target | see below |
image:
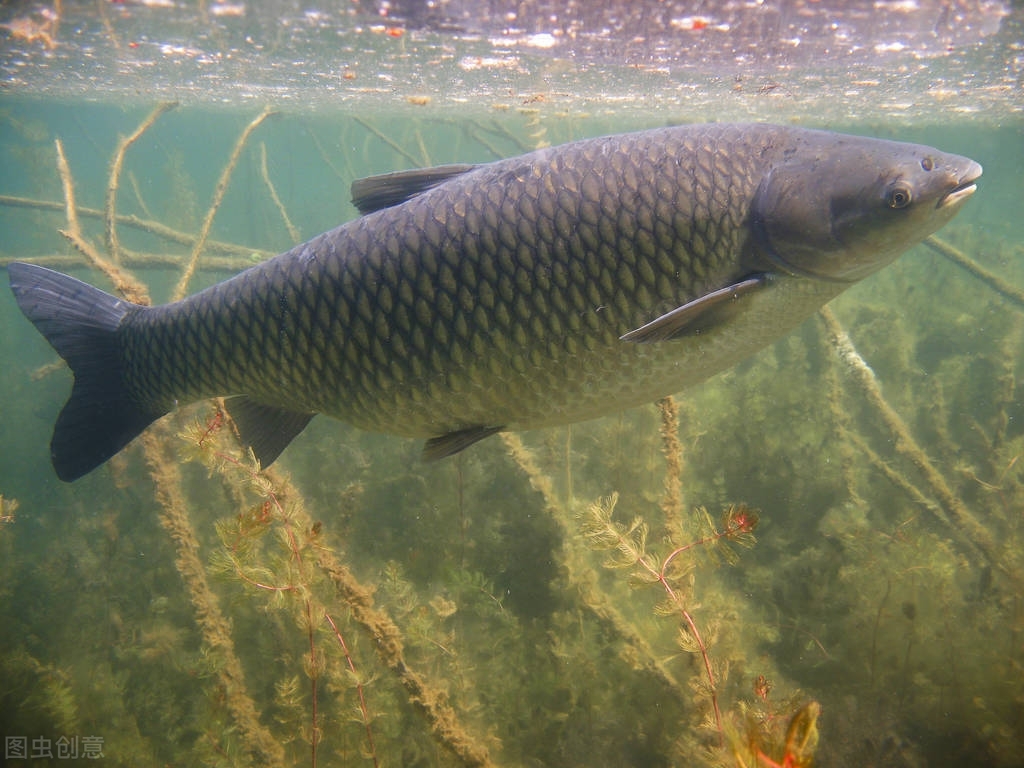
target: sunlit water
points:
(885, 583)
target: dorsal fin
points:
(377, 192)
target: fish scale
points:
(544, 289)
(356, 356)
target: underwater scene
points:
(814, 558)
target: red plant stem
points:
(733, 528)
(703, 652)
(359, 688)
(688, 618)
(315, 735)
(660, 575)
(762, 758)
(260, 585)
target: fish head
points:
(842, 207)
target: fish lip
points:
(964, 188)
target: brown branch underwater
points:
(154, 228)
(110, 206)
(965, 262)
(218, 197)
(215, 628)
(125, 283)
(966, 524)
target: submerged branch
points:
(223, 264)
(431, 701)
(580, 575)
(125, 283)
(965, 262)
(215, 627)
(218, 198)
(144, 225)
(116, 164)
(390, 142)
(672, 501)
(293, 233)
(966, 524)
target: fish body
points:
(545, 289)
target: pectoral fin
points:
(699, 315)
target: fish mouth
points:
(965, 187)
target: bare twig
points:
(108, 25)
(479, 139)
(223, 264)
(58, 12)
(963, 261)
(138, 195)
(323, 154)
(125, 283)
(502, 130)
(68, 184)
(390, 142)
(154, 228)
(218, 198)
(423, 148)
(116, 164)
(965, 522)
(293, 233)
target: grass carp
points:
(544, 289)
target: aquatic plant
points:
(287, 577)
(674, 572)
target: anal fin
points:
(266, 429)
(448, 445)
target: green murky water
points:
(174, 608)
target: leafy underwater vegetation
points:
(582, 596)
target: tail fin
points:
(80, 322)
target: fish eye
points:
(927, 163)
(898, 197)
